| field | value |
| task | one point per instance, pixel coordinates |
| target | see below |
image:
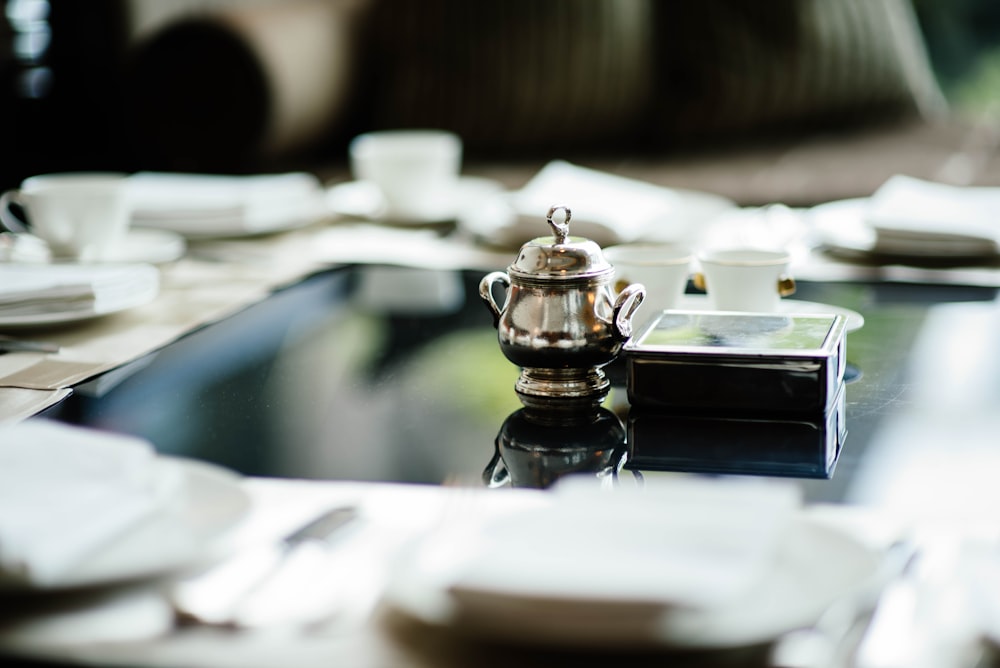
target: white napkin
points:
(66, 491)
(693, 542)
(607, 208)
(217, 205)
(927, 218)
(36, 289)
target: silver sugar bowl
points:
(560, 320)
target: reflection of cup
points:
(80, 216)
(416, 170)
(745, 279)
(663, 269)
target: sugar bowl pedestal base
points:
(562, 389)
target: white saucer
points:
(149, 245)
(855, 320)
(814, 564)
(363, 200)
(180, 535)
(142, 245)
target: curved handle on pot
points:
(486, 293)
(627, 302)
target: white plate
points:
(813, 565)
(139, 245)
(210, 501)
(232, 226)
(841, 227)
(362, 200)
(149, 245)
(201, 206)
(84, 311)
(855, 320)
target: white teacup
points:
(662, 268)
(81, 216)
(745, 279)
(417, 171)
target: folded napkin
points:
(692, 543)
(38, 289)
(217, 205)
(606, 207)
(919, 217)
(65, 492)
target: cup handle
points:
(627, 302)
(8, 219)
(786, 286)
(486, 293)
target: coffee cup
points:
(745, 279)
(663, 269)
(80, 216)
(416, 171)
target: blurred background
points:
(699, 93)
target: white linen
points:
(607, 208)
(211, 205)
(66, 491)
(38, 289)
(695, 543)
(906, 212)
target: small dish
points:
(149, 245)
(363, 200)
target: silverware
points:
(9, 344)
(890, 636)
(216, 596)
(924, 616)
(833, 639)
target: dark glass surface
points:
(326, 380)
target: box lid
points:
(735, 334)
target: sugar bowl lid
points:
(560, 257)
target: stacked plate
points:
(207, 206)
(698, 565)
(34, 294)
(912, 221)
(86, 520)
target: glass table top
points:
(375, 374)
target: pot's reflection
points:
(535, 447)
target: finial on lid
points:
(559, 230)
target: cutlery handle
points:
(212, 597)
(215, 596)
